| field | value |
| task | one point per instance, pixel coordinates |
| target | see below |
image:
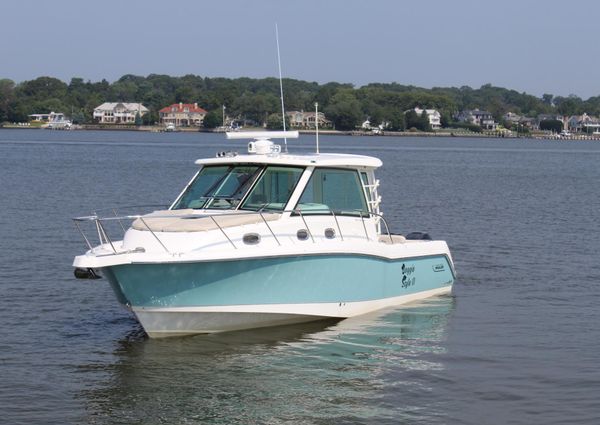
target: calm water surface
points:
(518, 342)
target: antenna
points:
(317, 125)
(280, 86)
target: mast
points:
(317, 125)
(280, 86)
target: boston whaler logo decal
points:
(438, 268)
(407, 280)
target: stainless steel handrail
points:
(103, 235)
(268, 227)
(222, 231)
(338, 225)
(153, 234)
(362, 218)
(305, 224)
(106, 237)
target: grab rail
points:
(104, 238)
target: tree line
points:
(251, 99)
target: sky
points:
(533, 46)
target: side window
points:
(273, 189)
(333, 189)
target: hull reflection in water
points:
(313, 372)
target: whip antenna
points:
(280, 85)
(317, 125)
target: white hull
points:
(180, 321)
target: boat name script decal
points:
(407, 280)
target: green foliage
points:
(42, 88)
(7, 97)
(411, 119)
(213, 119)
(138, 119)
(344, 110)
(78, 117)
(417, 121)
(274, 122)
(150, 118)
(424, 122)
(445, 119)
(257, 99)
(551, 125)
(568, 105)
(396, 123)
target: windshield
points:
(219, 187)
(273, 189)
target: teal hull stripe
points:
(279, 280)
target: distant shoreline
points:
(447, 133)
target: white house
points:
(583, 123)
(433, 115)
(118, 112)
(52, 116)
(484, 119)
(301, 119)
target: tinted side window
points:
(333, 189)
(273, 189)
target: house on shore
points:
(118, 112)
(583, 124)
(307, 120)
(182, 115)
(520, 121)
(484, 119)
(512, 118)
(52, 116)
(433, 115)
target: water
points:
(517, 343)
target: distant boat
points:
(565, 133)
(170, 127)
(59, 124)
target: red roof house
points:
(182, 115)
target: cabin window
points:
(273, 189)
(330, 189)
(220, 187)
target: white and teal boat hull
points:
(215, 296)
(263, 239)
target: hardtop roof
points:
(304, 160)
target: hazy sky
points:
(534, 46)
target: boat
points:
(59, 124)
(264, 238)
(170, 127)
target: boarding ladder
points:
(373, 199)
